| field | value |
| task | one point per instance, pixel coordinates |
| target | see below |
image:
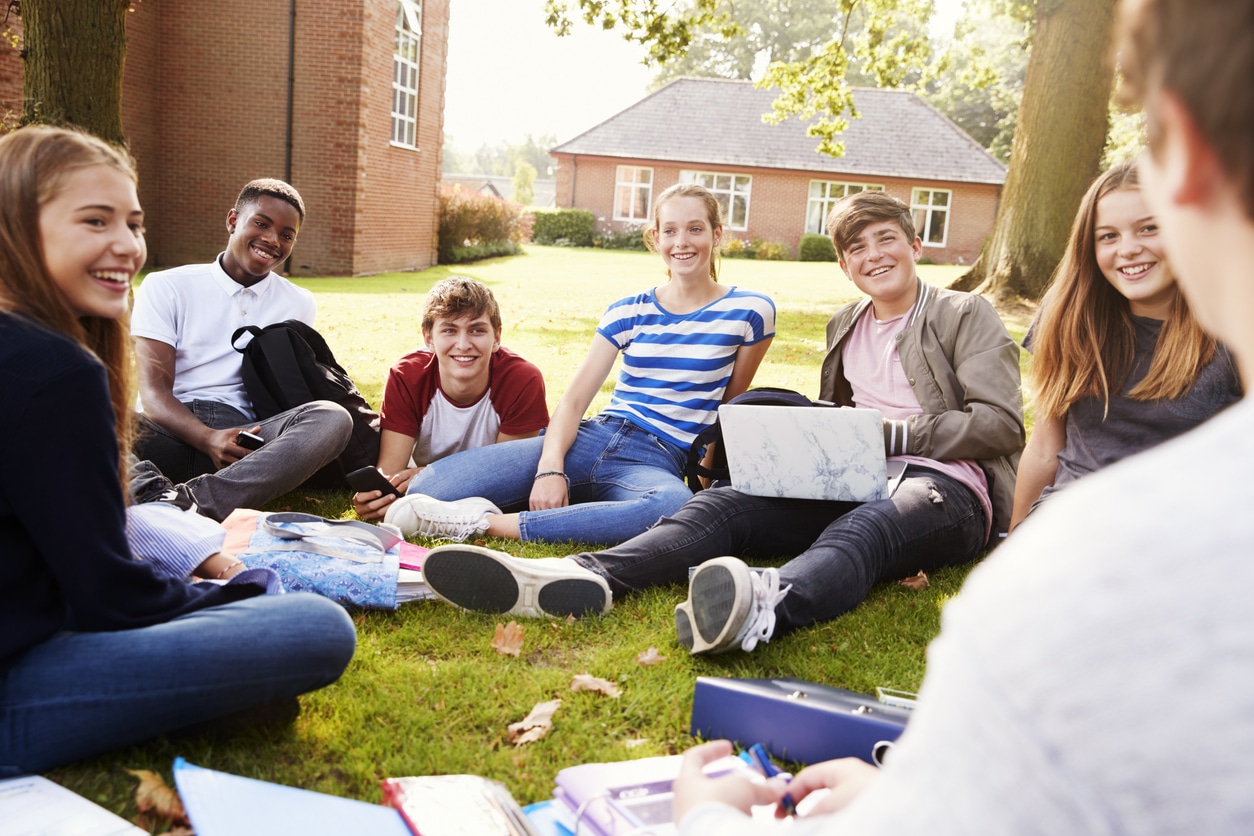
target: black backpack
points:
(289, 364)
(764, 396)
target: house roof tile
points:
(717, 121)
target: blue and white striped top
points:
(676, 366)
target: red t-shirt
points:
(414, 405)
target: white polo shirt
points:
(196, 308)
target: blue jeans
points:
(79, 694)
(623, 479)
(299, 442)
(843, 548)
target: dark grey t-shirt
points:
(1132, 426)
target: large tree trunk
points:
(74, 52)
(1057, 149)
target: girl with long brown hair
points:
(1119, 364)
(97, 648)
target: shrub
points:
(488, 249)
(578, 226)
(816, 248)
(772, 251)
(632, 239)
(469, 220)
(738, 248)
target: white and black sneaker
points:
(729, 605)
(458, 520)
(483, 580)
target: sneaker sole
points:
(476, 579)
(704, 623)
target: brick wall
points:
(778, 201)
(204, 108)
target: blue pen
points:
(770, 770)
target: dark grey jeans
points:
(299, 442)
(843, 548)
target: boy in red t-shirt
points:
(462, 390)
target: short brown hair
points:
(1202, 51)
(854, 213)
(459, 296)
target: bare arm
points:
(551, 492)
(748, 358)
(1038, 466)
(156, 388)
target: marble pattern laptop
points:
(805, 452)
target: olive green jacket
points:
(964, 369)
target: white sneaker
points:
(482, 580)
(420, 514)
(728, 604)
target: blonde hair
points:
(1085, 342)
(713, 214)
(34, 164)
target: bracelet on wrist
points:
(228, 568)
(544, 473)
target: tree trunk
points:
(1057, 149)
(74, 52)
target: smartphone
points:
(370, 479)
(249, 441)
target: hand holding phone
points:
(249, 441)
(370, 479)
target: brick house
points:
(344, 100)
(772, 184)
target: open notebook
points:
(807, 452)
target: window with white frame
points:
(730, 190)
(633, 193)
(931, 215)
(823, 196)
(405, 73)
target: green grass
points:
(425, 692)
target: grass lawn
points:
(425, 692)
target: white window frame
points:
(726, 186)
(406, 58)
(925, 209)
(832, 191)
(628, 179)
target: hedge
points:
(571, 227)
(816, 248)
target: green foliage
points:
(1125, 139)
(503, 158)
(471, 222)
(524, 183)
(576, 227)
(772, 251)
(738, 248)
(611, 239)
(815, 247)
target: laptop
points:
(807, 452)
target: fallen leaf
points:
(570, 619)
(650, 657)
(535, 725)
(508, 639)
(360, 620)
(315, 500)
(152, 796)
(919, 581)
(588, 682)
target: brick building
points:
(771, 182)
(344, 100)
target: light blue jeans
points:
(79, 694)
(623, 479)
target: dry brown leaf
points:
(508, 638)
(588, 682)
(650, 657)
(360, 620)
(315, 500)
(570, 619)
(152, 796)
(919, 581)
(535, 725)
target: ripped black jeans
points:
(843, 548)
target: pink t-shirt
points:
(414, 405)
(878, 381)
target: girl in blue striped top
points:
(688, 345)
